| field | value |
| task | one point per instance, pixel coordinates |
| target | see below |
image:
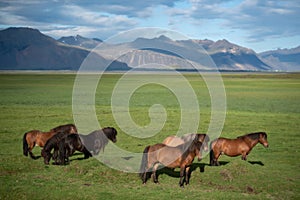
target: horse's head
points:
(263, 139)
(204, 139)
(47, 156)
(111, 134)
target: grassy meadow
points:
(255, 102)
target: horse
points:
(180, 156)
(242, 145)
(38, 138)
(52, 143)
(175, 141)
(68, 145)
(97, 140)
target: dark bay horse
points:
(180, 156)
(38, 138)
(97, 140)
(242, 145)
(68, 145)
(174, 141)
(52, 144)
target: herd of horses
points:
(61, 142)
(174, 152)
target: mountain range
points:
(29, 49)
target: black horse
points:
(97, 140)
(52, 143)
(68, 145)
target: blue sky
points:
(257, 24)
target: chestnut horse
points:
(172, 157)
(242, 145)
(174, 141)
(38, 138)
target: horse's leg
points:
(31, 146)
(244, 155)
(145, 176)
(55, 155)
(187, 175)
(182, 173)
(215, 158)
(155, 178)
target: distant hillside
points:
(29, 49)
(229, 56)
(164, 51)
(283, 59)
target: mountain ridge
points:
(27, 48)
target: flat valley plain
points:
(255, 102)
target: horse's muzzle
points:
(266, 145)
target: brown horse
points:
(174, 141)
(242, 145)
(172, 157)
(38, 138)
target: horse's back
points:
(173, 141)
(167, 155)
(69, 128)
(31, 136)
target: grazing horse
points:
(68, 145)
(97, 140)
(52, 143)
(38, 138)
(174, 141)
(242, 145)
(172, 157)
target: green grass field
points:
(255, 102)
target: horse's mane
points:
(191, 143)
(190, 136)
(253, 136)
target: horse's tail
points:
(211, 154)
(25, 145)
(144, 163)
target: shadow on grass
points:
(256, 163)
(36, 157)
(176, 174)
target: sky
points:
(257, 24)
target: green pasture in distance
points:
(255, 102)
